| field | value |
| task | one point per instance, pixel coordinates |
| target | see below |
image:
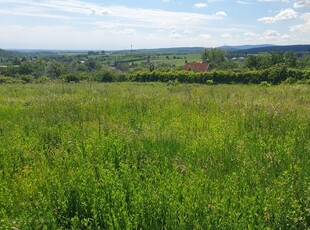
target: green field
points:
(152, 156)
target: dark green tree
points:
(55, 70)
(252, 62)
(214, 56)
(25, 68)
(290, 59)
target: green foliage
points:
(209, 82)
(105, 76)
(55, 70)
(268, 60)
(7, 54)
(274, 75)
(26, 78)
(215, 57)
(173, 83)
(43, 79)
(74, 77)
(25, 68)
(152, 156)
(9, 80)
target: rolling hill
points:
(7, 54)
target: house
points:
(196, 66)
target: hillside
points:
(7, 54)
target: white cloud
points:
(226, 35)
(187, 31)
(200, 5)
(271, 35)
(128, 31)
(283, 15)
(286, 1)
(85, 25)
(302, 3)
(250, 34)
(221, 14)
(35, 13)
(211, 1)
(116, 15)
(242, 2)
(305, 27)
(176, 36)
(285, 36)
(205, 36)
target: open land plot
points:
(152, 156)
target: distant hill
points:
(168, 50)
(7, 54)
(274, 48)
(268, 48)
(244, 47)
(180, 49)
(249, 49)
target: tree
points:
(277, 57)
(55, 70)
(290, 59)
(39, 67)
(91, 64)
(214, 56)
(252, 62)
(25, 68)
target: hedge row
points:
(274, 75)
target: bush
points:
(9, 80)
(210, 82)
(74, 77)
(265, 84)
(43, 79)
(26, 78)
(290, 80)
(105, 75)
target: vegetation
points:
(272, 75)
(274, 68)
(152, 156)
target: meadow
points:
(153, 156)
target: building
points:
(196, 67)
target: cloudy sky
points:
(112, 25)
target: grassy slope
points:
(150, 156)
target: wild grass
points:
(152, 156)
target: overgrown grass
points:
(152, 156)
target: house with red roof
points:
(196, 66)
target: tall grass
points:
(151, 156)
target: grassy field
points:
(152, 156)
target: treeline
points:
(272, 75)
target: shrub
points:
(9, 80)
(105, 75)
(74, 77)
(210, 82)
(42, 79)
(26, 78)
(265, 84)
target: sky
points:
(115, 25)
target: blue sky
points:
(112, 25)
